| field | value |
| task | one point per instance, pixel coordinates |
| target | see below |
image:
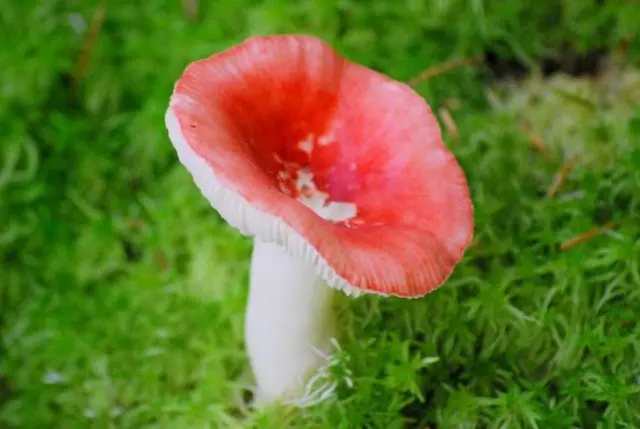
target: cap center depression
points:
(302, 175)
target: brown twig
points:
(443, 68)
(623, 47)
(190, 9)
(475, 243)
(587, 235)
(561, 176)
(451, 103)
(449, 123)
(492, 98)
(135, 224)
(536, 141)
(89, 42)
(161, 259)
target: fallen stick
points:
(443, 68)
(536, 141)
(190, 9)
(561, 177)
(449, 123)
(587, 235)
(88, 45)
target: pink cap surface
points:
(342, 166)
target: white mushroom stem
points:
(288, 325)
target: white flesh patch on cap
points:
(325, 140)
(238, 213)
(306, 145)
(319, 202)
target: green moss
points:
(122, 294)
(581, 117)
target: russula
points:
(338, 172)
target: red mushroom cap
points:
(340, 165)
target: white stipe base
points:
(289, 323)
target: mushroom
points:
(340, 175)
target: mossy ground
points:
(122, 293)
